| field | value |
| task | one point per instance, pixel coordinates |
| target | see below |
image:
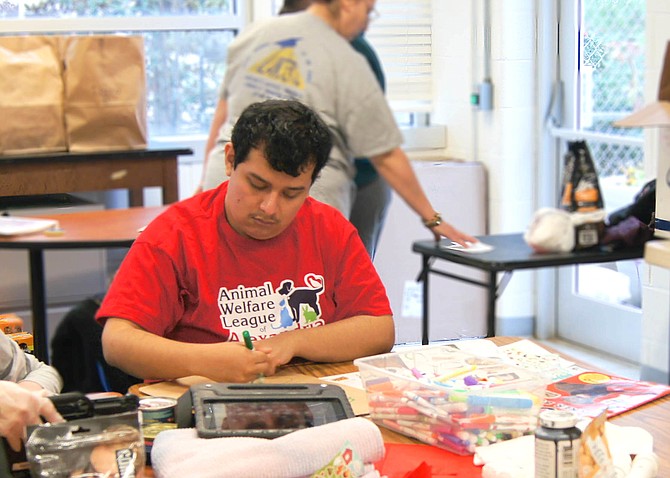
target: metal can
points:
(158, 409)
(557, 442)
(158, 414)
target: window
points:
(612, 80)
(185, 46)
(607, 85)
(402, 37)
(602, 67)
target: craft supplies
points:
(445, 397)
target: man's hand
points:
(20, 408)
(233, 362)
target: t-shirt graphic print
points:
(266, 311)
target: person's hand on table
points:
(233, 362)
(447, 230)
(280, 349)
(19, 408)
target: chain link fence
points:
(612, 80)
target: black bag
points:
(77, 353)
(643, 207)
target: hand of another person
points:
(447, 230)
(31, 386)
(19, 408)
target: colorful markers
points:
(451, 403)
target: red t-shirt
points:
(190, 277)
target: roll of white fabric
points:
(180, 453)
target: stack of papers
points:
(16, 226)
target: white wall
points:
(504, 138)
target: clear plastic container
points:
(456, 401)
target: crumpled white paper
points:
(516, 458)
(551, 230)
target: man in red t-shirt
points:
(256, 254)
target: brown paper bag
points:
(31, 95)
(105, 93)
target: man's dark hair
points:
(288, 133)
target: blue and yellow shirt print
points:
(266, 311)
(275, 71)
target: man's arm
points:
(220, 116)
(345, 339)
(143, 354)
(395, 167)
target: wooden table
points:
(80, 230)
(652, 417)
(510, 253)
(24, 175)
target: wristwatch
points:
(434, 221)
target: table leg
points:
(170, 181)
(491, 309)
(136, 197)
(425, 272)
(39, 306)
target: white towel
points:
(180, 453)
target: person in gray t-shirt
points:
(18, 366)
(25, 383)
(307, 56)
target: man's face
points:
(262, 202)
(366, 12)
(356, 15)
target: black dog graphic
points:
(303, 295)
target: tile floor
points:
(614, 365)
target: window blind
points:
(402, 38)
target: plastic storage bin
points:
(451, 399)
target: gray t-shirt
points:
(301, 57)
(16, 366)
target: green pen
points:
(250, 345)
(247, 340)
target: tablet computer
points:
(265, 410)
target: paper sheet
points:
(473, 247)
(16, 226)
(516, 457)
